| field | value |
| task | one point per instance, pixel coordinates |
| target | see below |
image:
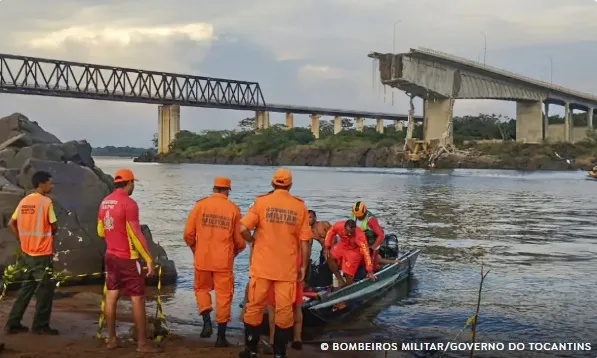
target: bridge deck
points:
(56, 78)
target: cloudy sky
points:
(302, 52)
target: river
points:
(535, 232)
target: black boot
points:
(251, 342)
(207, 330)
(281, 338)
(221, 340)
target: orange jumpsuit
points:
(281, 222)
(213, 233)
(349, 251)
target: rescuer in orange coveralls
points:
(282, 232)
(348, 252)
(212, 232)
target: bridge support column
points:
(437, 120)
(399, 126)
(337, 124)
(567, 123)
(168, 126)
(545, 121)
(529, 122)
(360, 124)
(289, 120)
(261, 120)
(379, 126)
(590, 117)
(315, 125)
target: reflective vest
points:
(362, 224)
(35, 230)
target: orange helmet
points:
(359, 209)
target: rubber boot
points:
(207, 330)
(251, 342)
(221, 340)
(281, 338)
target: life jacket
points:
(363, 225)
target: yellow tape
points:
(159, 314)
(12, 270)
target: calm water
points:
(536, 233)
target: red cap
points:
(124, 175)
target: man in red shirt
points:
(118, 224)
(347, 253)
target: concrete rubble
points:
(79, 187)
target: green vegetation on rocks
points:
(484, 141)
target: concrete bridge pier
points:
(529, 122)
(315, 125)
(437, 118)
(399, 126)
(261, 120)
(567, 123)
(590, 117)
(289, 120)
(379, 126)
(360, 124)
(337, 124)
(168, 126)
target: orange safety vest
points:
(35, 230)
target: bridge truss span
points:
(38, 76)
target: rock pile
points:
(79, 187)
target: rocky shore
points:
(79, 187)
(524, 157)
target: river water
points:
(535, 232)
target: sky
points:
(302, 52)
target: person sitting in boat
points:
(367, 222)
(348, 252)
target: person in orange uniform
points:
(212, 232)
(367, 222)
(34, 224)
(297, 314)
(118, 224)
(348, 252)
(282, 232)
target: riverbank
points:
(506, 155)
(75, 316)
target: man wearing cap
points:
(367, 222)
(118, 224)
(281, 240)
(212, 231)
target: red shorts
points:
(124, 274)
(348, 258)
(271, 299)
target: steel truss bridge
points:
(46, 77)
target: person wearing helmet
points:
(367, 222)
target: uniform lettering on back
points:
(281, 216)
(216, 221)
(28, 209)
(108, 204)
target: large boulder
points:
(79, 187)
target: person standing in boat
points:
(212, 231)
(347, 253)
(282, 232)
(367, 222)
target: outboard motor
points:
(389, 248)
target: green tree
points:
(247, 124)
(154, 141)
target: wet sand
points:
(76, 318)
